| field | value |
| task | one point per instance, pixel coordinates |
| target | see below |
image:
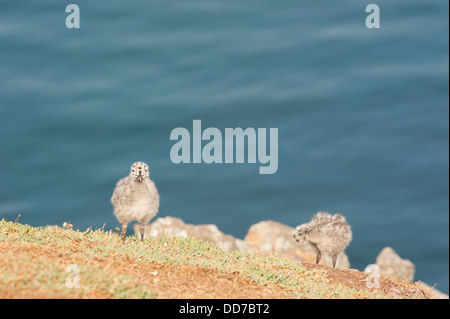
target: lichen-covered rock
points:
(391, 264)
(265, 237)
(270, 236)
(172, 226)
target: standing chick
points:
(135, 198)
(327, 233)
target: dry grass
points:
(34, 260)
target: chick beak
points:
(140, 177)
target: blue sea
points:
(362, 115)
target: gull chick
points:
(327, 233)
(135, 198)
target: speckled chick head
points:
(139, 171)
(301, 233)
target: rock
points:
(172, 226)
(270, 236)
(265, 237)
(390, 264)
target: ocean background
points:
(362, 115)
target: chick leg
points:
(124, 231)
(142, 231)
(334, 259)
(318, 256)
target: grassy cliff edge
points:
(58, 262)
